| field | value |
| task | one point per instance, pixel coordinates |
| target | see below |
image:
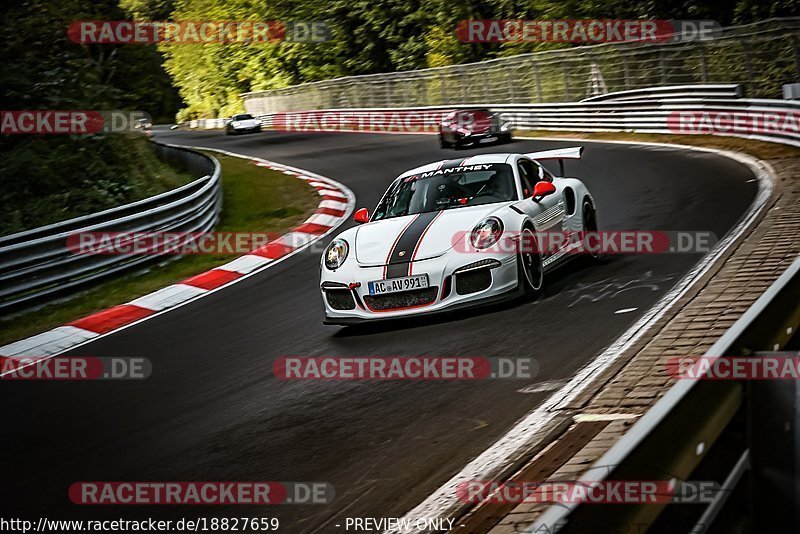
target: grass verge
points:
(255, 199)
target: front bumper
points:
(449, 288)
(254, 129)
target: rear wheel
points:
(443, 143)
(529, 263)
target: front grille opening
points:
(446, 287)
(340, 299)
(473, 281)
(406, 299)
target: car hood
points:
(249, 123)
(374, 241)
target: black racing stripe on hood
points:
(398, 265)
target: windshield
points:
(447, 189)
(244, 117)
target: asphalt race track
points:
(212, 410)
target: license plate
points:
(396, 285)
(489, 139)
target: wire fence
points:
(761, 57)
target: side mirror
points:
(542, 189)
(362, 215)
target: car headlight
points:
(486, 233)
(505, 127)
(235, 124)
(336, 253)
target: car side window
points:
(546, 175)
(527, 176)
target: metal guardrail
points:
(723, 90)
(677, 434)
(663, 116)
(760, 57)
(731, 116)
(37, 265)
(206, 124)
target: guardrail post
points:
(796, 51)
(748, 61)
(626, 72)
(704, 63)
(566, 82)
(537, 81)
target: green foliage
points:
(43, 69)
(368, 36)
(384, 36)
(46, 180)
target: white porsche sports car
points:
(448, 234)
(242, 124)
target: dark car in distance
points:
(473, 127)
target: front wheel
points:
(529, 263)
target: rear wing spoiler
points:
(574, 152)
